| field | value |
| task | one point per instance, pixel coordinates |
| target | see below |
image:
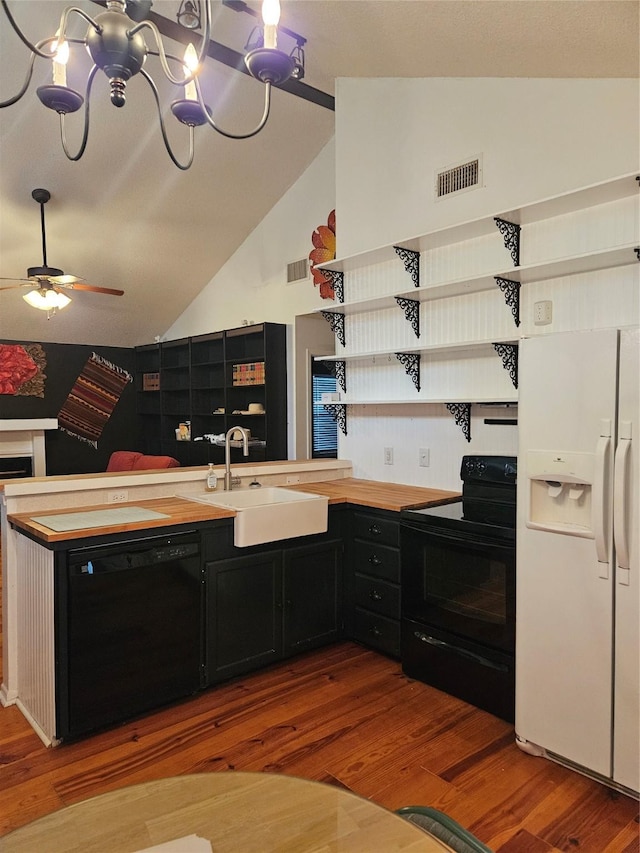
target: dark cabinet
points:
(236, 377)
(312, 605)
(372, 580)
(243, 614)
(263, 606)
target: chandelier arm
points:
(257, 129)
(149, 25)
(63, 21)
(34, 48)
(25, 85)
(163, 130)
(85, 136)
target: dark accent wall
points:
(66, 454)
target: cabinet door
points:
(312, 595)
(243, 614)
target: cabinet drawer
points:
(376, 529)
(377, 631)
(377, 595)
(380, 561)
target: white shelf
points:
(572, 265)
(430, 401)
(425, 348)
(570, 202)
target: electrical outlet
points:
(388, 456)
(423, 457)
(542, 312)
(119, 497)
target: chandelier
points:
(115, 41)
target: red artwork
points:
(16, 368)
(324, 242)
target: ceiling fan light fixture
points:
(46, 299)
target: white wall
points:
(537, 138)
(252, 285)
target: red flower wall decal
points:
(324, 242)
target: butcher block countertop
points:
(175, 510)
(373, 493)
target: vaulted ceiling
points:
(125, 217)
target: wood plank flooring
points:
(343, 715)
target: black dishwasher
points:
(128, 630)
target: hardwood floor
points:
(346, 716)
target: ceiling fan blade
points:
(78, 286)
(13, 278)
(64, 279)
(11, 286)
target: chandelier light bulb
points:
(190, 67)
(271, 17)
(60, 50)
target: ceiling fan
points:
(49, 281)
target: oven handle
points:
(460, 537)
(433, 641)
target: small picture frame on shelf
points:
(150, 381)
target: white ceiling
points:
(125, 217)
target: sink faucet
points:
(228, 479)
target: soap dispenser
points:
(212, 479)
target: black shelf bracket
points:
(411, 261)
(336, 321)
(339, 415)
(339, 371)
(337, 280)
(511, 291)
(411, 308)
(511, 236)
(462, 415)
(411, 363)
(509, 355)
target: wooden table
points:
(228, 812)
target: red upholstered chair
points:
(144, 463)
(131, 460)
(122, 460)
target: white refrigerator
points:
(577, 559)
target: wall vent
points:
(456, 179)
(298, 270)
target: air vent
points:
(297, 270)
(456, 179)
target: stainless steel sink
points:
(270, 513)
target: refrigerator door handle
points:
(599, 506)
(620, 536)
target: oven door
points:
(461, 582)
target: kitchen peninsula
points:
(42, 565)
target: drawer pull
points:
(375, 632)
(375, 561)
(375, 530)
(374, 595)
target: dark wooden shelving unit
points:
(203, 380)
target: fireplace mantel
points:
(25, 437)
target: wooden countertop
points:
(369, 493)
(373, 493)
(178, 510)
